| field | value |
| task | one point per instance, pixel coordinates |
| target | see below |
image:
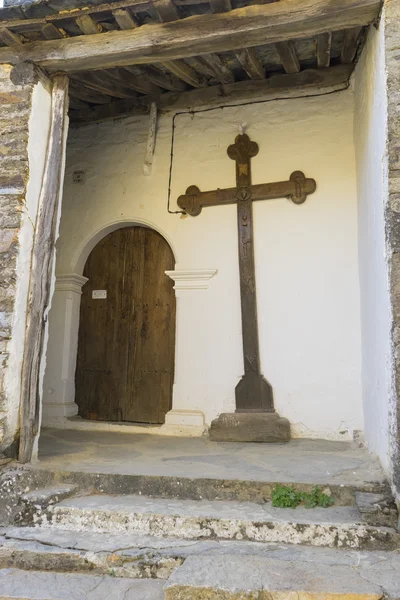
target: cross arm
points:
(296, 189)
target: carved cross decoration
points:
(253, 392)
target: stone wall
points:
(15, 108)
(25, 104)
(392, 43)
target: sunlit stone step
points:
(340, 526)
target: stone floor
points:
(300, 461)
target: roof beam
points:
(250, 63)
(124, 19)
(288, 56)
(277, 86)
(9, 38)
(166, 10)
(324, 42)
(350, 43)
(241, 28)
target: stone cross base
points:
(250, 427)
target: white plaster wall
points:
(306, 256)
(39, 126)
(370, 135)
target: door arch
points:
(126, 341)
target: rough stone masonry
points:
(15, 107)
(392, 51)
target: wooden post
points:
(41, 269)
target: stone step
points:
(377, 509)
(38, 500)
(137, 556)
(201, 488)
(188, 519)
(260, 578)
(16, 584)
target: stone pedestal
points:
(250, 427)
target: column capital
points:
(70, 282)
(193, 279)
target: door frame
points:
(62, 365)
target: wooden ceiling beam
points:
(241, 28)
(166, 10)
(124, 19)
(179, 68)
(51, 32)
(247, 57)
(219, 6)
(278, 86)
(182, 70)
(288, 56)
(324, 42)
(159, 78)
(81, 92)
(141, 84)
(350, 43)
(88, 26)
(100, 83)
(9, 38)
(219, 69)
(250, 63)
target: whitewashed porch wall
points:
(370, 138)
(306, 256)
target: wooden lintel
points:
(288, 56)
(250, 63)
(202, 34)
(278, 86)
(350, 43)
(43, 256)
(324, 41)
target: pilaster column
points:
(187, 416)
(59, 380)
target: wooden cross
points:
(253, 392)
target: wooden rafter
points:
(324, 42)
(88, 25)
(9, 38)
(277, 86)
(350, 43)
(202, 34)
(250, 63)
(51, 32)
(124, 18)
(220, 70)
(288, 56)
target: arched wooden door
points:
(125, 365)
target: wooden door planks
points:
(126, 342)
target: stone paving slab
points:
(36, 585)
(262, 578)
(299, 461)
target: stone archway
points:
(58, 400)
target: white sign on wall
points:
(99, 294)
